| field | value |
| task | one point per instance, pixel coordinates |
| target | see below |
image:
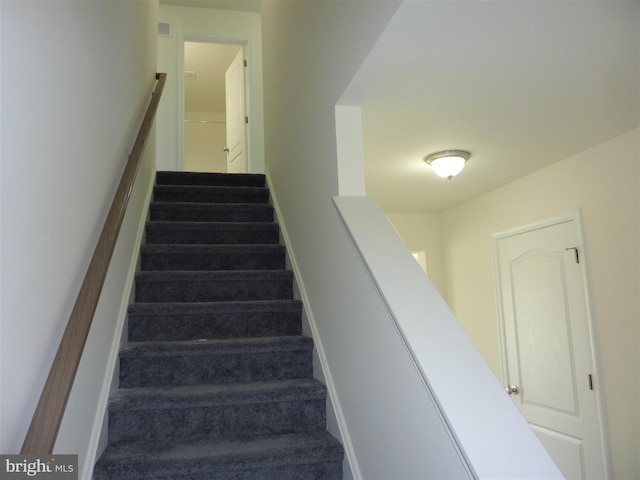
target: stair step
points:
(193, 362)
(216, 380)
(212, 257)
(209, 194)
(219, 179)
(212, 232)
(190, 321)
(305, 456)
(240, 285)
(217, 411)
(211, 212)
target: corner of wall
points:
(350, 150)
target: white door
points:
(236, 116)
(549, 368)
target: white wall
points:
(307, 66)
(349, 150)
(603, 183)
(75, 81)
(236, 27)
(421, 232)
(311, 52)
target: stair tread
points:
(213, 285)
(189, 232)
(216, 345)
(197, 308)
(210, 211)
(236, 319)
(196, 248)
(183, 396)
(203, 456)
(210, 188)
(190, 225)
(211, 193)
(213, 207)
(208, 178)
(195, 275)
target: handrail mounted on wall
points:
(47, 417)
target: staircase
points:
(216, 379)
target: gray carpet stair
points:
(216, 379)
(212, 257)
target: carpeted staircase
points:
(216, 378)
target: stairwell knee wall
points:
(335, 418)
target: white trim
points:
(547, 222)
(575, 216)
(245, 43)
(333, 400)
(448, 364)
(429, 391)
(105, 391)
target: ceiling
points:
(520, 84)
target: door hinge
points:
(577, 252)
(590, 381)
(246, 119)
(244, 63)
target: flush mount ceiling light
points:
(448, 163)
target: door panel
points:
(543, 337)
(547, 341)
(570, 451)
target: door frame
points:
(576, 217)
(245, 44)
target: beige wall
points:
(603, 183)
(204, 142)
(421, 232)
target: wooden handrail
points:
(47, 417)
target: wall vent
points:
(164, 29)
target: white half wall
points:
(76, 78)
(432, 367)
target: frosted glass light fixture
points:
(448, 163)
